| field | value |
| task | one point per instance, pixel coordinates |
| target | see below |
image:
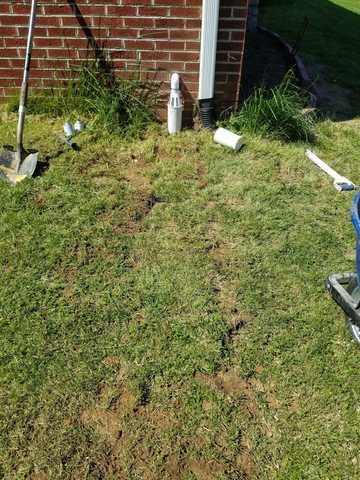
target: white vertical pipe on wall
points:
(209, 33)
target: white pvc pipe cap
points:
(228, 139)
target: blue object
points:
(355, 217)
(345, 287)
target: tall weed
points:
(106, 101)
(278, 113)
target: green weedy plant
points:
(114, 104)
(277, 113)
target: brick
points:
(239, 36)
(192, 66)
(48, 21)
(185, 34)
(154, 34)
(155, 55)
(169, 2)
(5, 63)
(40, 32)
(109, 22)
(20, 9)
(15, 42)
(153, 11)
(138, 2)
(57, 10)
(140, 44)
(172, 45)
(195, 23)
(4, 8)
(121, 11)
(184, 56)
(185, 12)
(139, 22)
(124, 54)
(239, 12)
(230, 46)
(224, 35)
(192, 46)
(48, 42)
(13, 20)
(171, 66)
(8, 32)
(124, 33)
(231, 24)
(169, 23)
(227, 67)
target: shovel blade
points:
(7, 158)
(28, 165)
(26, 170)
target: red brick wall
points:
(163, 35)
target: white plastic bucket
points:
(228, 139)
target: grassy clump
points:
(111, 103)
(277, 113)
(116, 104)
(49, 102)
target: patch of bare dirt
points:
(39, 476)
(231, 383)
(203, 470)
(147, 440)
(107, 424)
(332, 98)
(225, 291)
(133, 431)
(244, 461)
(111, 361)
(173, 468)
(228, 382)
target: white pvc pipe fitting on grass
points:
(228, 139)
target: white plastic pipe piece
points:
(79, 126)
(68, 129)
(228, 139)
(209, 33)
(175, 105)
(340, 183)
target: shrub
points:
(278, 113)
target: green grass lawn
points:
(163, 312)
(332, 37)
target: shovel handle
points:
(24, 88)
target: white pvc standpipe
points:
(175, 105)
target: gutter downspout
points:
(209, 33)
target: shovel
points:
(16, 165)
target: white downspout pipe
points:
(209, 34)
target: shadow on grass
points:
(327, 37)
